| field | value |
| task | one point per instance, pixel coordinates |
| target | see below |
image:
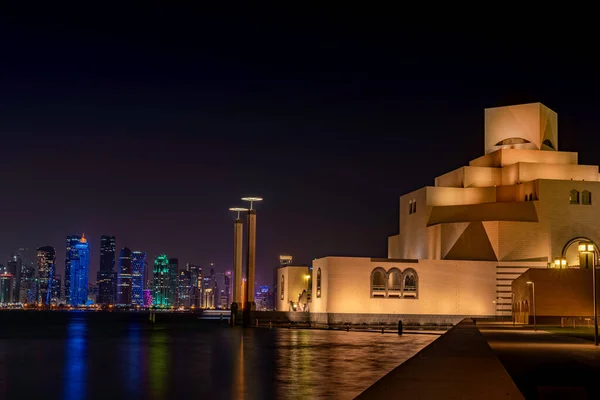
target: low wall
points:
(458, 365)
(332, 319)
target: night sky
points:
(149, 123)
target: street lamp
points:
(587, 248)
(534, 321)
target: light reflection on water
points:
(136, 361)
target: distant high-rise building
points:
(56, 284)
(106, 276)
(228, 290)
(196, 283)
(27, 285)
(173, 283)
(147, 298)
(46, 260)
(263, 298)
(184, 288)
(138, 263)
(161, 286)
(124, 282)
(13, 266)
(209, 289)
(79, 262)
(72, 240)
(6, 285)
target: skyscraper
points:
(161, 287)
(46, 259)
(27, 285)
(6, 285)
(106, 274)
(72, 240)
(13, 267)
(56, 283)
(196, 284)
(173, 268)
(79, 257)
(138, 264)
(124, 283)
(184, 288)
(226, 303)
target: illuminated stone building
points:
(462, 241)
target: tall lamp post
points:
(588, 248)
(249, 303)
(237, 262)
(534, 321)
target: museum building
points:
(463, 241)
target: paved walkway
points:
(458, 365)
(547, 366)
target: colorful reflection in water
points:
(159, 364)
(85, 358)
(75, 368)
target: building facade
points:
(46, 260)
(162, 286)
(106, 277)
(79, 264)
(138, 263)
(71, 241)
(184, 288)
(462, 241)
(125, 278)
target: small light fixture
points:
(590, 247)
(529, 282)
(582, 247)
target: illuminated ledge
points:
(395, 260)
(519, 212)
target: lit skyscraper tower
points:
(124, 283)
(173, 282)
(6, 285)
(46, 259)
(79, 266)
(72, 240)
(184, 288)
(13, 267)
(56, 283)
(138, 263)
(106, 278)
(196, 283)
(160, 295)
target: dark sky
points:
(149, 123)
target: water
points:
(81, 358)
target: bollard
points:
(221, 317)
(400, 327)
(348, 328)
(382, 331)
(257, 322)
(270, 325)
(289, 325)
(232, 320)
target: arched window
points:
(586, 197)
(410, 283)
(525, 197)
(282, 281)
(319, 282)
(378, 283)
(410, 207)
(574, 197)
(530, 196)
(394, 283)
(414, 206)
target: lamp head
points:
(251, 200)
(529, 282)
(238, 210)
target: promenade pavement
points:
(458, 365)
(544, 365)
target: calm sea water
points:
(83, 359)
